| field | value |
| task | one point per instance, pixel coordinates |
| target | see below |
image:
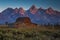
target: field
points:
(30, 33)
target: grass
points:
(29, 33)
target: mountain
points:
(50, 11)
(42, 17)
(16, 10)
(36, 15)
(33, 9)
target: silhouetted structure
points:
(23, 20)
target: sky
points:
(26, 4)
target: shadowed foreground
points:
(32, 33)
(23, 29)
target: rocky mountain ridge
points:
(37, 15)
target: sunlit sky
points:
(55, 4)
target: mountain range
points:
(36, 15)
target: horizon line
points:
(28, 8)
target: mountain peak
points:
(50, 10)
(33, 9)
(21, 10)
(40, 8)
(8, 10)
(33, 6)
(16, 10)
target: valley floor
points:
(30, 33)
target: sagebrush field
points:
(30, 33)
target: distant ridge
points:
(37, 15)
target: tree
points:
(6, 23)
